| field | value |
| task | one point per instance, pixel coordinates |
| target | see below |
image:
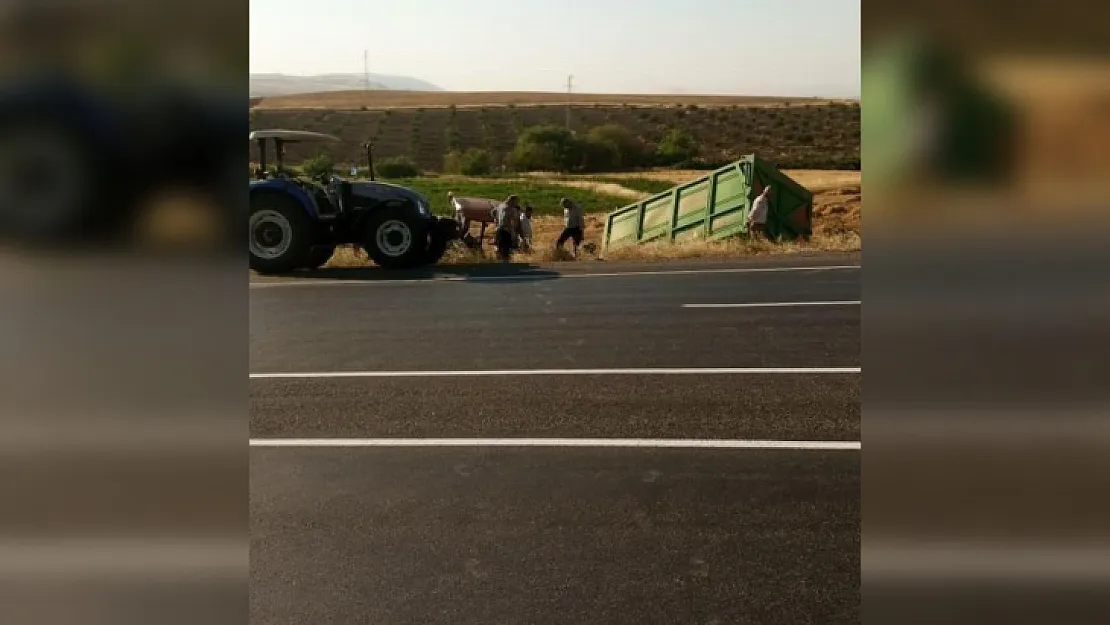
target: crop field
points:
(807, 135)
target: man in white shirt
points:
(574, 224)
(757, 219)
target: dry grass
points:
(735, 248)
(357, 100)
(545, 251)
(816, 180)
(837, 211)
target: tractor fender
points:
(284, 187)
(97, 120)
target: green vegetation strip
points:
(544, 198)
(643, 185)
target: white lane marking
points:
(774, 304)
(540, 276)
(137, 558)
(556, 372)
(967, 561)
(556, 442)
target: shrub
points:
(676, 147)
(534, 157)
(548, 148)
(397, 167)
(599, 155)
(631, 151)
(472, 162)
(319, 165)
(454, 137)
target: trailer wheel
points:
(396, 237)
(278, 234)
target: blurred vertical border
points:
(123, 358)
(986, 171)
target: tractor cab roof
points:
(279, 138)
(291, 136)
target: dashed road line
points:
(775, 304)
(559, 442)
(563, 372)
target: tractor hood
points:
(383, 191)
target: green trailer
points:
(930, 118)
(713, 207)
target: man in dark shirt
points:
(574, 224)
(506, 218)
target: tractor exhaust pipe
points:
(370, 158)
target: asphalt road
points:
(556, 534)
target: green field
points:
(644, 185)
(544, 197)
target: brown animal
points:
(468, 209)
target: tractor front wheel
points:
(396, 238)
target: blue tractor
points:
(297, 223)
(84, 163)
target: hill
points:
(357, 99)
(270, 85)
(790, 133)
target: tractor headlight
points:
(423, 208)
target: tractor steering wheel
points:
(333, 187)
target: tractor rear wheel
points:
(396, 237)
(278, 234)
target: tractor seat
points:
(323, 202)
(339, 191)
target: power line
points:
(570, 87)
(366, 69)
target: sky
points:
(735, 47)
